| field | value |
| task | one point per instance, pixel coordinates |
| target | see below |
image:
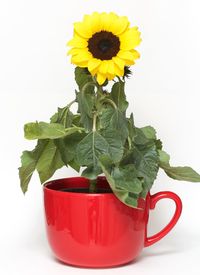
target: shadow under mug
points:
(98, 230)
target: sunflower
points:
(105, 44)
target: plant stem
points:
(110, 101)
(87, 85)
(72, 102)
(99, 88)
(68, 106)
(94, 122)
(93, 186)
(65, 109)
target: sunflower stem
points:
(94, 122)
(72, 102)
(109, 101)
(93, 186)
(99, 87)
(65, 109)
(87, 85)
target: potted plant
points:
(99, 219)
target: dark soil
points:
(85, 190)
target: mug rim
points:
(46, 188)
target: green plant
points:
(100, 137)
(103, 140)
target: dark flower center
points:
(104, 45)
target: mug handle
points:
(153, 200)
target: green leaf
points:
(184, 173)
(118, 96)
(76, 120)
(145, 159)
(146, 162)
(126, 178)
(85, 97)
(86, 102)
(82, 77)
(149, 132)
(63, 116)
(49, 161)
(158, 144)
(146, 136)
(66, 117)
(126, 197)
(43, 130)
(140, 138)
(115, 120)
(164, 158)
(45, 158)
(114, 141)
(131, 128)
(57, 116)
(73, 164)
(91, 172)
(29, 160)
(54, 118)
(90, 148)
(67, 146)
(27, 169)
(130, 199)
(144, 191)
(86, 106)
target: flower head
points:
(105, 44)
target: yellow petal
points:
(107, 20)
(80, 52)
(128, 56)
(113, 15)
(78, 42)
(101, 21)
(128, 62)
(110, 22)
(119, 62)
(111, 67)
(95, 23)
(93, 65)
(129, 44)
(136, 54)
(83, 64)
(81, 57)
(83, 29)
(110, 76)
(118, 71)
(101, 78)
(103, 68)
(88, 22)
(73, 51)
(120, 25)
(130, 39)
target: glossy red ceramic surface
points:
(97, 230)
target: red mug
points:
(98, 230)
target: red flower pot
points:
(98, 230)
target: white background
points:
(36, 77)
